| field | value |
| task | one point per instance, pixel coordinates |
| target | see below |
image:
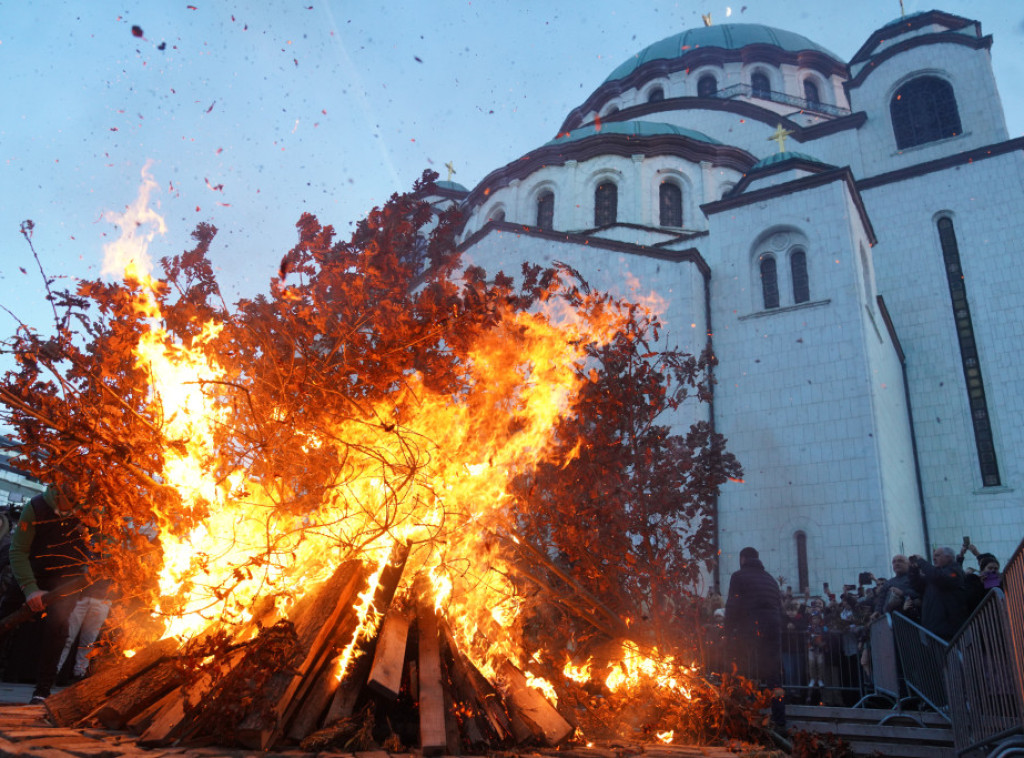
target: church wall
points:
(796, 394)
(679, 287)
(970, 74)
(986, 202)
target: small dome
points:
(632, 129)
(724, 36)
(445, 184)
(777, 158)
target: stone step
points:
(862, 730)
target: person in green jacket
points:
(48, 550)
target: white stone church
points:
(860, 286)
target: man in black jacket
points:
(941, 585)
(48, 549)
(754, 618)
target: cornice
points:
(939, 38)
(690, 255)
(904, 25)
(844, 175)
(949, 161)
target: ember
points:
(390, 486)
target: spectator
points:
(941, 586)
(754, 619)
(48, 548)
(898, 593)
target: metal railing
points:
(885, 673)
(745, 90)
(982, 678)
(822, 666)
(922, 654)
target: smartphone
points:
(824, 586)
(967, 541)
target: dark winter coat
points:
(754, 619)
(944, 606)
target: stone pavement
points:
(25, 731)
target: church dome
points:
(632, 129)
(724, 37)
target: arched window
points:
(670, 202)
(611, 111)
(656, 95)
(498, 215)
(811, 93)
(546, 210)
(798, 271)
(924, 110)
(606, 203)
(969, 354)
(707, 86)
(760, 86)
(802, 574)
(769, 282)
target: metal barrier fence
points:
(982, 678)
(1013, 589)
(885, 674)
(922, 655)
(823, 666)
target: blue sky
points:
(254, 113)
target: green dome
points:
(448, 185)
(632, 129)
(776, 158)
(724, 36)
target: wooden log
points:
(140, 722)
(307, 718)
(389, 658)
(314, 630)
(544, 720)
(453, 739)
(474, 689)
(71, 705)
(172, 720)
(433, 738)
(24, 613)
(137, 695)
(346, 695)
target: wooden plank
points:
(71, 705)
(307, 717)
(433, 739)
(180, 702)
(314, 631)
(451, 725)
(137, 695)
(389, 657)
(346, 696)
(475, 690)
(543, 719)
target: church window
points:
(670, 201)
(656, 95)
(760, 86)
(707, 86)
(611, 111)
(498, 215)
(983, 438)
(811, 94)
(606, 203)
(798, 271)
(803, 579)
(546, 210)
(769, 282)
(924, 110)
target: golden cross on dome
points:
(451, 169)
(779, 135)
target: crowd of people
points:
(779, 638)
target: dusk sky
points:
(253, 114)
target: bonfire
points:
(393, 501)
